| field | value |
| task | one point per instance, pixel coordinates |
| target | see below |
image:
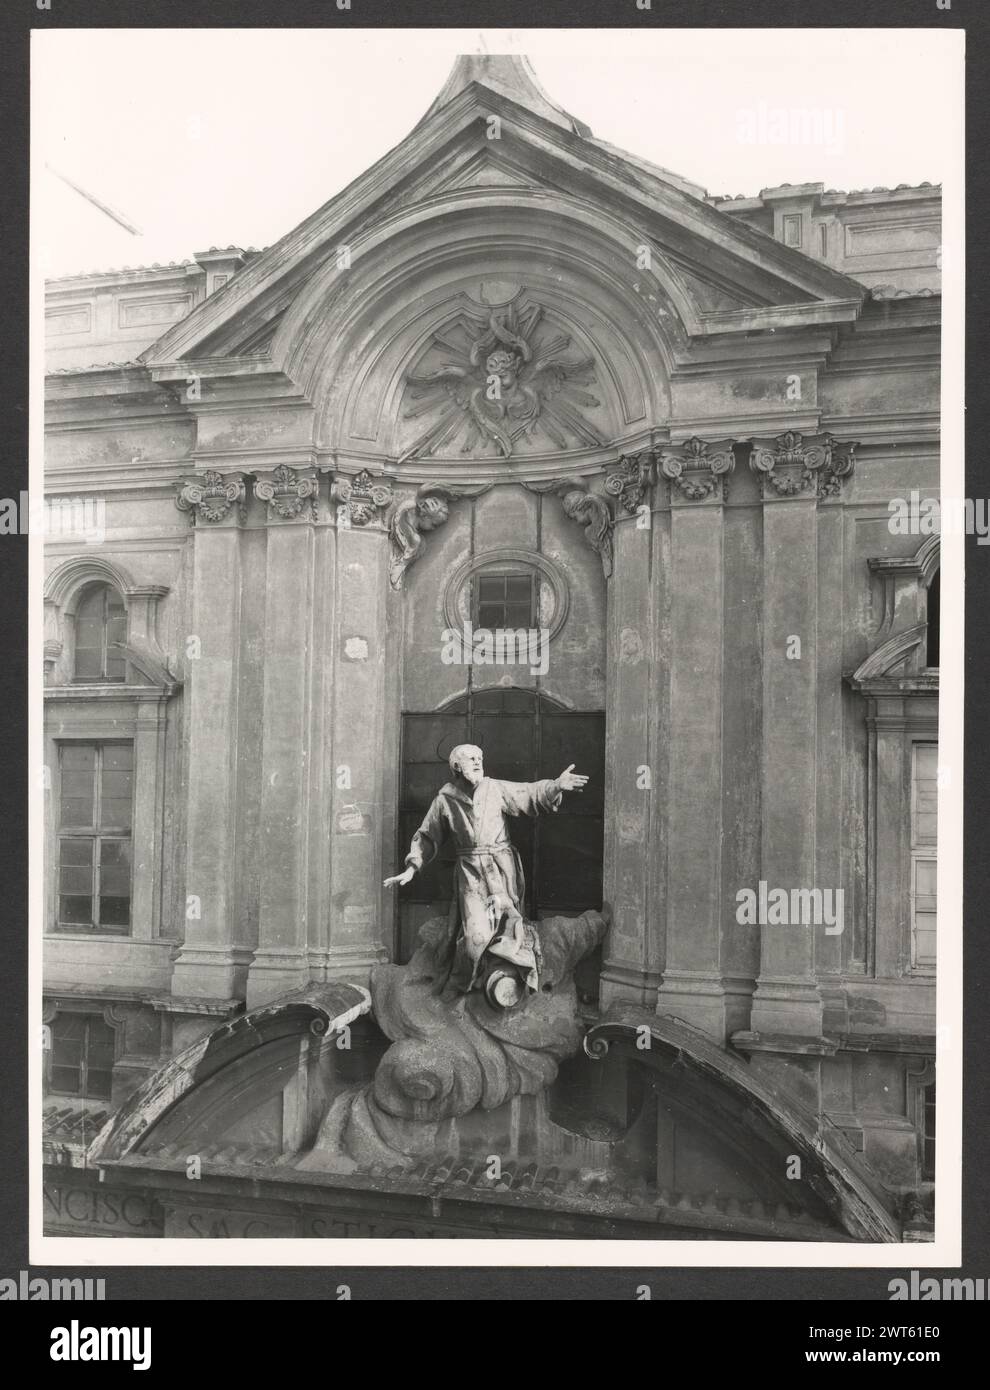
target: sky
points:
(208, 137)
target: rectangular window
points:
(823, 240)
(504, 601)
(924, 833)
(82, 1056)
(96, 787)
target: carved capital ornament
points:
(795, 464)
(630, 479)
(363, 497)
(288, 491)
(698, 470)
(211, 495)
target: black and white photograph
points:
(501, 714)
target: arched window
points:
(101, 629)
(931, 654)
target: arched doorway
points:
(525, 735)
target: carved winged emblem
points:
(508, 381)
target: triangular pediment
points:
(485, 171)
(718, 274)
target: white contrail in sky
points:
(117, 217)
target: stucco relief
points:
(499, 381)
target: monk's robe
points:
(488, 863)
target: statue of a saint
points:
(489, 884)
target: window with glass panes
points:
(928, 1134)
(96, 787)
(81, 1056)
(101, 628)
(924, 862)
(506, 601)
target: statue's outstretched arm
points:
(425, 844)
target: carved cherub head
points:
(504, 364)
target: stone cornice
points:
(679, 219)
(921, 565)
(886, 671)
(108, 694)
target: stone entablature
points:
(109, 317)
(888, 238)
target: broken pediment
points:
(677, 1140)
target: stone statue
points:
(489, 884)
(485, 1010)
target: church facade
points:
(511, 380)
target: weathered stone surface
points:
(450, 1056)
(285, 635)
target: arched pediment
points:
(62, 592)
(928, 557)
(248, 1098)
(63, 585)
(722, 1097)
(232, 1071)
(423, 289)
(890, 656)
